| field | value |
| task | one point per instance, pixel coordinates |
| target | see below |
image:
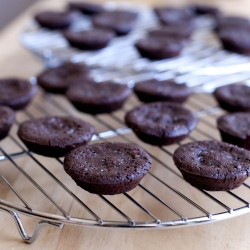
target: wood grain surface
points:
(16, 61)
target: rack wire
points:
(38, 187)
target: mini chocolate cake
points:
(107, 168)
(235, 129)
(121, 22)
(170, 15)
(205, 10)
(158, 48)
(55, 136)
(161, 123)
(89, 39)
(7, 118)
(16, 93)
(153, 91)
(86, 8)
(234, 97)
(212, 165)
(54, 19)
(96, 98)
(58, 79)
(173, 31)
(236, 40)
(232, 22)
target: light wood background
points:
(230, 234)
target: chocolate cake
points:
(7, 118)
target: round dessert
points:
(54, 19)
(58, 79)
(7, 118)
(232, 22)
(86, 8)
(235, 129)
(158, 48)
(236, 40)
(121, 22)
(234, 97)
(161, 123)
(173, 31)
(212, 165)
(16, 93)
(107, 168)
(55, 136)
(169, 15)
(205, 10)
(89, 39)
(96, 98)
(153, 91)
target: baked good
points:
(158, 48)
(235, 129)
(153, 91)
(173, 31)
(55, 136)
(89, 39)
(16, 93)
(7, 118)
(87, 8)
(161, 123)
(55, 19)
(107, 168)
(233, 97)
(58, 79)
(236, 40)
(96, 98)
(212, 165)
(232, 22)
(200, 9)
(171, 15)
(120, 21)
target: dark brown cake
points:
(107, 168)
(93, 39)
(212, 165)
(161, 123)
(235, 129)
(55, 136)
(232, 22)
(200, 9)
(55, 19)
(16, 93)
(234, 97)
(153, 91)
(95, 98)
(235, 40)
(121, 22)
(7, 118)
(158, 48)
(87, 8)
(58, 79)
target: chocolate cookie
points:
(232, 22)
(234, 97)
(213, 166)
(7, 118)
(169, 15)
(158, 48)
(153, 91)
(97, 98)
(121, 22)
(55, 136)
(86, 8)
(54, 19)
(236, 40)
(173, 31)
(16, 93)
(58, 79)
(107, 168)
(235, 129)
(161, 123)
(89, 39)
(205, 10)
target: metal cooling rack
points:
(162, 199)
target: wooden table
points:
(229, 234)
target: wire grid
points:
(162, 199)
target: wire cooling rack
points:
(38, 187)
